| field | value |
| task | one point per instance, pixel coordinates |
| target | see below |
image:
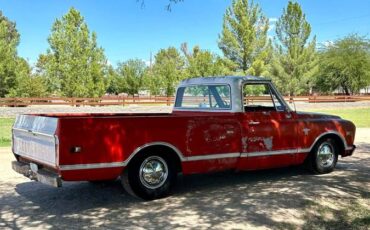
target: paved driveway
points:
(286, 198)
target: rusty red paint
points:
(113, 139)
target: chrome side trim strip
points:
(271, 153)
(307, 150)
(212, 157)
(125, 163)
(193, 158)
(185, 159)
(91, 166)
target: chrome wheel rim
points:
(153, 172)
(325, 155)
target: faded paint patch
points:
(188, 137)
(244, 144)
(268, 142)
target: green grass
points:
(337, 214)
(5, 131)
(359, 116)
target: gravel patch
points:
(13, 111)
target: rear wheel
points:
(324, 156)
(150, 176)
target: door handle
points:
(254, 122)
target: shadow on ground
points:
(281, 198)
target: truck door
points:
(213, 132)
(268, 129)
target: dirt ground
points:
(288, 198)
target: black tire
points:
(136, 177)
(324, 156)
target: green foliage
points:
(132, 73)
(168, 70)
(9, 40)
(295, 61)
(345, 64)
(113, 82)
(202, 63)
(27, 85)
(152, 83)
(244, 39)
(74, 64)
(44, 69)
(255, 90)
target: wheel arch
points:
(169, 150)
(342, 143)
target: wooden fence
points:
(102, 101)
(153, 100)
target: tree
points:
(168, 70)
(345, 64)
(113, 82)
(132, 72)
(74, 64)
(44, 70)
(152, 82)
(295, 61)
(9, 40)
(244, 39)
(202, 63)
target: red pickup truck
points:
(217, 123)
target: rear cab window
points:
(204, 97)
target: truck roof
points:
(222, 79)
(235, 82)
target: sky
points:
(129, 29)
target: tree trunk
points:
(346, 90)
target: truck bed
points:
(67, 143)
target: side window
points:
(259, 97)
(204, 97)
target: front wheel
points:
(149, 177)
(324, 156)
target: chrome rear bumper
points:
(40, 175)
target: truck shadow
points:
(261, 198)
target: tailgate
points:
(34, 138)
